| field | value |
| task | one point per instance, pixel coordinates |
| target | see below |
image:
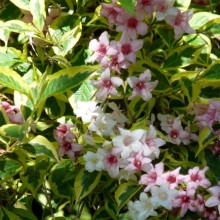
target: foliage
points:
(84, 130)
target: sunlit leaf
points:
(37, 9)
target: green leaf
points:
(3, 117)
(205, 138)
(85, 183)
(13, 131)
(11, 79)
(101, 214)
(23, 214)
(110, 206)
(8, 169)
(41, 146)
(55, 108)
(211, 76)
(22, 4)
(65, 171)
(5, 214)
(183, 4)
(137, 106)
(190, 89)
(66, 79)
(84, 93)
(9, 57)
(182, 56)
(128, 5)
(19, 27)
(200, 19)
(37, 9)
(68, 40)
(213, 162)
(33, 176)
(125, 192)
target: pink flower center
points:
(137, 164)
(162, 8)
(132, 22)
(113, 13)
(179, 20)
(112, 159)
(174, 134)
(107, 84)
(146, 2)
(126, 49)
(152, 177)
(140, 85)
(102, 49)
(196, 177)
(171, 179)
(185, 199)
(67, 146)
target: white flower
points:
(145, 207)
(127, 142)
(103, 125)
(214, 200)
(87, 110)
(163, 195)
(94, 161)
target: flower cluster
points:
(64, 136)
(207, 115)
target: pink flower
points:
(101, 49)
(214, 200)
(141, 85)
(64, 137)
(197, 178)
(164, 8)
(183, 201)
(153, 176)
(173, 178)
(138, 163)
(198, 204)
(13, 112)
(107, 85)
(111, 12)
(151, 143)
(147, 5)
(180, 22)
(132, 25)
(128, 47)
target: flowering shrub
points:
(109, 109)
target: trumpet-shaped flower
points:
(180, 22)
(127, 142)
(142, 208)
(153, 176)
(107, 85)
(103, 125)
(142, 86)
(94, 161)
(132, 25)
(163, 196)
(151, 143)
(87, 110)
(101, 49)
(129, 47)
